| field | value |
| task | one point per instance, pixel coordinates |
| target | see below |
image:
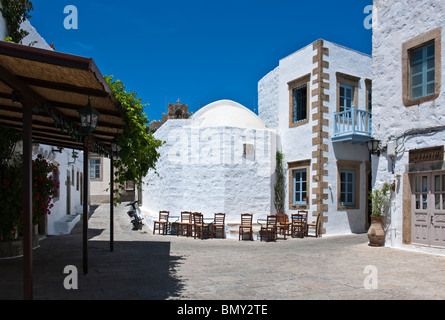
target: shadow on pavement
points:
(134, 270)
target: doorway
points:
(428, 209)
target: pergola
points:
(41, 93)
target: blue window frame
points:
(347, 193)
(300, 104)
(300, 187)
(422, 71)
(346, 97)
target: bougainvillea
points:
(44, 187)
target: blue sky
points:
(198, 51)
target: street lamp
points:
(374, 146)
(89, 118)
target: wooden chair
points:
(185, 224)
(192, 226)
(246, 226)
(298, 225)
(162, 223)
(315, 225)
(283, 224)
(269, 231)
(218, 226)
(305, 217)
(199, 225)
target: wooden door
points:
(437, 219)
(428, 214)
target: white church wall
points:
(205, 170)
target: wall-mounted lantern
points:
(374, 147)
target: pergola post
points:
(111, 202)
(27, 203)
(86, 192)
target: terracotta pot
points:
(376, 234)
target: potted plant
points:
(380, 199)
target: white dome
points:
(227, 113)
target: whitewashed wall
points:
(63, 217)
(204, 170)
(268, 98)
(396, 23)
(33, 37)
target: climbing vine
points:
(15, 13)
(279, 184)
(138, 148)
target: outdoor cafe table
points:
(172, 228)
(262, 222)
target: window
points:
(368, 84)
(300, 104)
(299, 101)
(421, 68)
(299, 184)
(422, 75)
(95, 169)
(346, 97)
(348, 184)
(347, 91)
(300, 187)
(347, 188)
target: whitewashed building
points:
(409, 119)
(68, 203)
(221, 160)
(318, 99)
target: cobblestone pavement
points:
(155, 267)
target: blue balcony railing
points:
(352, 125)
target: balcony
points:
(352, 125)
